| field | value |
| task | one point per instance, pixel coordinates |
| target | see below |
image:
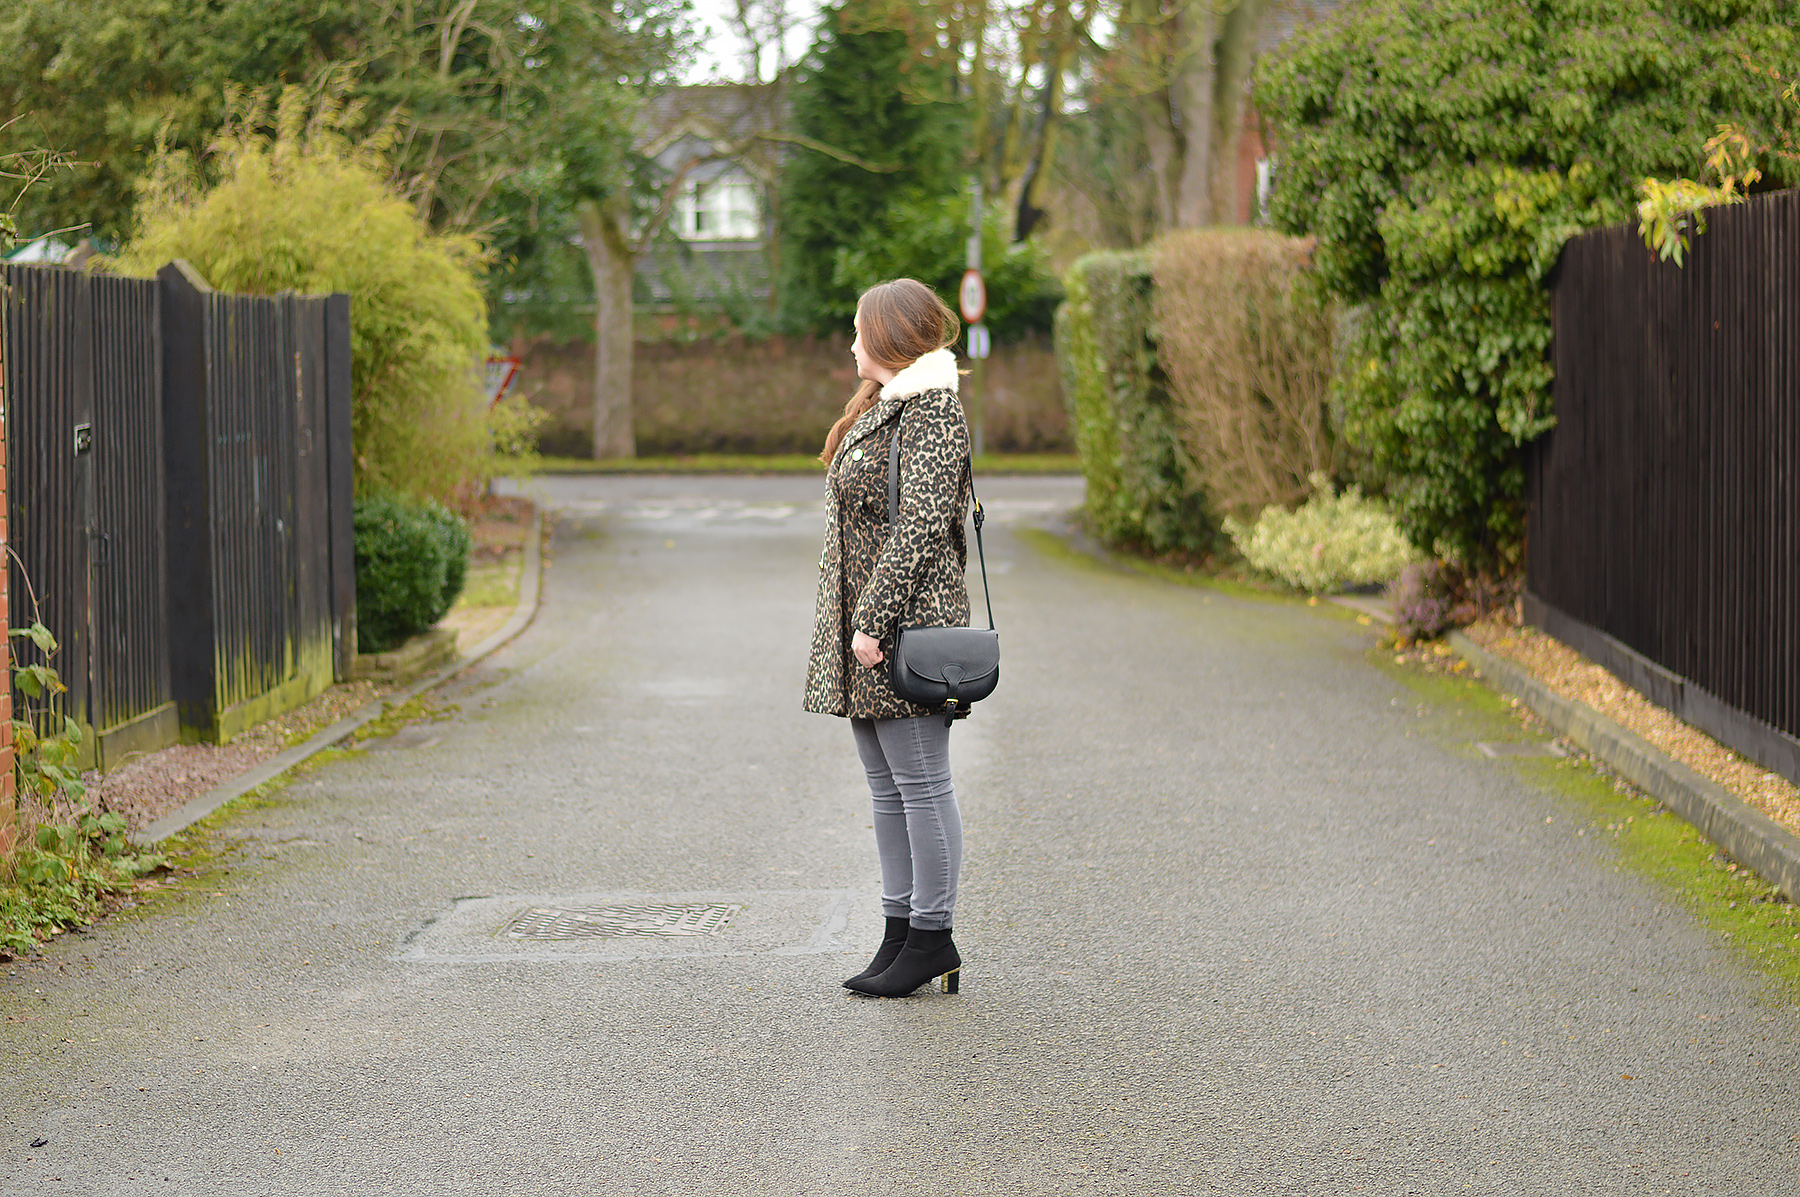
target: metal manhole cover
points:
(661, 920)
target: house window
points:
(722, 209)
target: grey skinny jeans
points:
(918, 828)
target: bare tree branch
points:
(821, 147)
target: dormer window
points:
(721, 209)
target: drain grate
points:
(1500, 748)
(660, 920)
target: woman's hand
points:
(867, 649)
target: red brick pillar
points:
(9, 815)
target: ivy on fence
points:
(1441, 155)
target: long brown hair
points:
(900, 322)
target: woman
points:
(873, 580)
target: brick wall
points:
(775, 396)
(9, 815)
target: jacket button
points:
(856, 455)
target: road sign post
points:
(972, 298)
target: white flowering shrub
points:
(1332, 541)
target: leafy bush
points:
(306, 210)
(64, 855)
(1331, 541)
(1427, 601)
(411, 561)
(453, 534)
(61, 877)
(1139, 488)
(1245, 337)
(1441, 155)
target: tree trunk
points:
(610, 257)
(1235, 55)
(1044, 137)
(1176, 59)
(1191, 112)
(1163, 143)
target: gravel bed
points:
(1573, 676)
(147, 787)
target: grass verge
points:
(1061, 548)
(93, 885)
(494, 585)
(1747, 913)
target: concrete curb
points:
(1749, 836)
(204, 805)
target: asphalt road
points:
(1241, 914)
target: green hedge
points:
(1441, 154)
(1140, 489)
(411, 562)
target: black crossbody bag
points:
(947, 667)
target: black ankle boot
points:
(927, 954)
(891, 942)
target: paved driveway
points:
(1240, 915)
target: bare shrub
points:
(1244, 338)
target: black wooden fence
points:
(178, 498)
(1664, 536)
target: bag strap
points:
(894, 512)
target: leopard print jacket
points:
(870, 580)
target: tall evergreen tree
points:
(864, 92)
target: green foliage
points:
(1733, 155)
(411, 561)
(61, 877)
(1139, 492)
(453, 535)
(73, 854)
(1331, 541)
(502, 117)
(863, 93)
(46, 742)
(1441, 155)
(516, 422)
(104, 80)
(1091, 422)
(305, 210)
(926, 237)
(1670, 210)
(540, 119)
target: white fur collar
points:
(935, 371)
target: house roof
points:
(724, 118)
(44, 249)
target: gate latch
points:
(84, 439)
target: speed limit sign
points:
(972, 296)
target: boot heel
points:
(927, 955)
